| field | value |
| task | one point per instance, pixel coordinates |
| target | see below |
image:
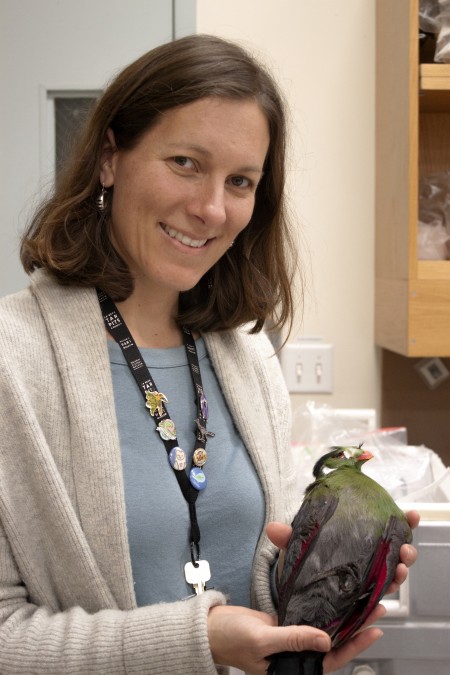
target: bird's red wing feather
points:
(306, 526)
(379, 577)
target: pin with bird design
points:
(197, 478)
(167, 430)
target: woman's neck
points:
(151, 319)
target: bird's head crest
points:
(340, 456)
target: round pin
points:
(177, 458)
(197, 478)
(199, 457)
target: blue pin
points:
(197, 478)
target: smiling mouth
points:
(187, 241)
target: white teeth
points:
(187, 241)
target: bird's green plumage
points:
(358, 494)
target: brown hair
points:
(69, 237)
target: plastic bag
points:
(434, 18)
(429, 16)
(432, 239)
(442, 53)
(434, 216)
(405, 471)
(400, 468)
(437, 492)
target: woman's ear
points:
(107, 162)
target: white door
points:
(61, 49)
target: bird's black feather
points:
(288, 663)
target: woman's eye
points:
(183, 161)
(240, 181)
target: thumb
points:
(298, 639)
(279, 533)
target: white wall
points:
(323, 54)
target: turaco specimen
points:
(341, 557)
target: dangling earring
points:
(101, 199)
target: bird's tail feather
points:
(297, 663)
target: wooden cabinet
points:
(412, 305)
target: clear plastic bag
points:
(442, 53)
(429, 16)
(432, 241)
(434, 18)
(434, 216)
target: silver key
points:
(197, 576)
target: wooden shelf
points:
(434, 87)
(412, 307)
(438, 270)
(434, 76)
(412, 297)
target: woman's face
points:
(185, 192)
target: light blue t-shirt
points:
(230, 511)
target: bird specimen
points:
(341, 557)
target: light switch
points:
(308, 366)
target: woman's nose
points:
(208, 203)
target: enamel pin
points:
(202, 433)
(204, 406)
(167, 430)
(155, 400)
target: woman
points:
(153, 269)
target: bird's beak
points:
(365, 456)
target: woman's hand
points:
(279, 534)
(245, 638)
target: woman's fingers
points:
(246, 639)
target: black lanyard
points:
(155, 402)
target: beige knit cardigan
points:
(67, 603)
